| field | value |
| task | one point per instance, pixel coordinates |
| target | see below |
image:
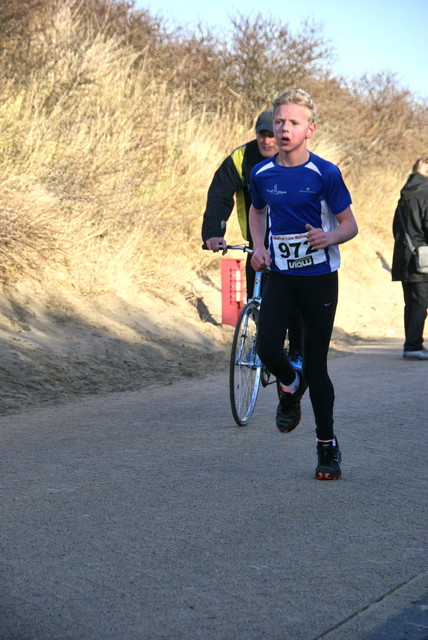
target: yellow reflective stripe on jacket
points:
(238, 158)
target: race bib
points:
(293, 251)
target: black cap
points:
(265, 121)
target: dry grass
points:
(104, 171)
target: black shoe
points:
(329, 458)
(288, 413)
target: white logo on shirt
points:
(276, 192)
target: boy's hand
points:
(317, 238)
(260, 259)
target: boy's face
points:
(291, 127)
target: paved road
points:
(150, 516)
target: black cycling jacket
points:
(231, 181)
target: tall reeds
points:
(105, 161)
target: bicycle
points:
(246, 371)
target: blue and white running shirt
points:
(311, 193)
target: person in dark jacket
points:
(411, 217)
(230, 186)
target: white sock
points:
(291, 388)
(333, 442)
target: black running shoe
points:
(329, 458)
(288, 413)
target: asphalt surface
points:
(149, 515)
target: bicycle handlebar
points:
(235, 247)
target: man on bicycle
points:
(231, 183)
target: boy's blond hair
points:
(297, 96)
(421, 166)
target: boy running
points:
(309, 216)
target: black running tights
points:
(315, 297)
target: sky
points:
(368, 36)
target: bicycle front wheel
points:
(245, 365)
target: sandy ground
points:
(58, 346)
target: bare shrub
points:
(265, 57)
(377, 124)
(393, 125)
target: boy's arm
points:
(257, 221)
(346, 230)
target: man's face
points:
(266, 143)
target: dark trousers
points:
(415, 313)
(315, 299)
